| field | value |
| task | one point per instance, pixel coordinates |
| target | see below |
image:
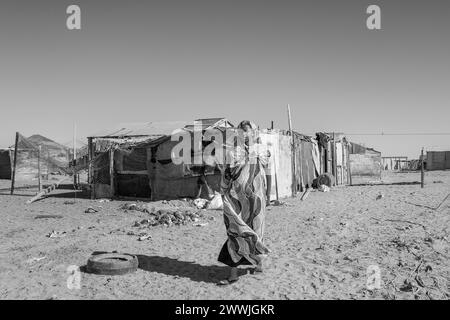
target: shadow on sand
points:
(385, 184)
(184, 269)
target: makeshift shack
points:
(365, 164)
(141, 165)
(5, 164)
(334, 156)
(135, 161)
(438, 160)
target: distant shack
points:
(438, 160)
(365, 164)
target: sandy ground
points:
(321, 247)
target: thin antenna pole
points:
(39, 168)
(74, 141)
(74, 154)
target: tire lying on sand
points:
(324, 179)
(112, 263)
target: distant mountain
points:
(46, 143)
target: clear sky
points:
(136, 61)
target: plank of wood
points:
(306, 194)
(46, 191)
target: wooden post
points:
(13, 177)
(334, 160)
(276, 177)
(39, 168)
(111, 171)
(271, 126)
(422, 170)
(349, 168)
(91, 155)
(294, 180)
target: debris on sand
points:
(35, 259)
(144, 237)
(200, 224)
(168, 217)
(91, 210)
(200, 203)
(277, 203)
(48, 216)
(380, 196)
(324, 188)
(57, 234)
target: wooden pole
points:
(271, 126)
(91, 181)
(294, 180)
(111, 171)
(13, 177)
(422, 171)
(349, 167)
(334, 160)
(39, 168)
(276, 177)
(74, 155)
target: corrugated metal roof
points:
(156, 129)
(141, 129)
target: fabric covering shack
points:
(136, 161)
(5, 164)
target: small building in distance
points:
(365, 164)
(438, 160)
(5, 164)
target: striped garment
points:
(244, 206)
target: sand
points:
(321, 247)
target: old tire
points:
(325, 179)
(112, 264)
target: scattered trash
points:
(380, 196)
(130, 206)
(57, 234)
(216, 202)
(169, 217)
(144, 237)
(32, 260)
(69, 202)
(201, 203)
(324, 188)
(406, 286)
(91, 210)
(200, 224)
(104, 200)
(277, 203)
(48, 216)
(438, 181)
(428, 239)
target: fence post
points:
(422, 170)
(13, 177)
(39, 168)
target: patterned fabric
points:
(244, 201)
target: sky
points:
(142, 61)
